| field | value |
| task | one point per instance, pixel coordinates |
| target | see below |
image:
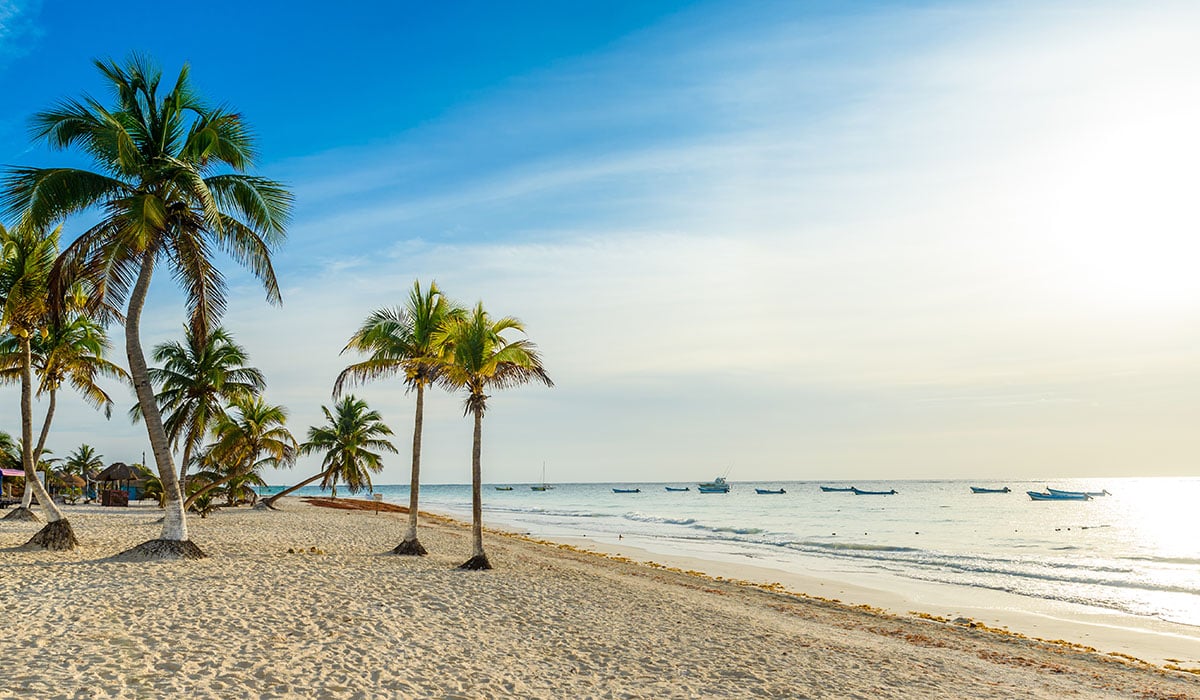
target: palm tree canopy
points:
(27, 256)
(401, 340)
(84, 461)
(252, 436)
(71, 352)
(351, 440)
(478, 357)
(170, 180)
(197, 378)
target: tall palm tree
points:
(251, 437)
(26, 256)
(478, 358)
(70, 352)
(172, 187)
(400, 341)
(351, 439)
(197, 378)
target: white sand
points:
(255, 621)
(1148, 639)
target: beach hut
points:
(118, 483)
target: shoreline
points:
(307, 602)
(1152, 641)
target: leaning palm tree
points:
(351, 440)
(400, 341)
(26, 256)
(172, 188)
(478, 358)
(197, 378)
(251, 437)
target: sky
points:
(780, 240)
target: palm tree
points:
(165, 188)
(351, 439)
(26, 257)
(197, 378)
(83, 462)
(68, 352)
(401, 342)
(479, 358)
(250, 438)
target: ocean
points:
(1136, 551)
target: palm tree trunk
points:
(478, 559)
(270, 502)
(57, 534)
(187, 458)
(411, 545)
(41, 444)
(174, 530)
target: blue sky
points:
(800, 240)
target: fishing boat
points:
(627, 490)
(980, 489)
(717, 485)
(543, 486)
(860, 492)
(837, 489)
(1060, 492)
(766, 491)
(504, 488)
(1060, 496)
(678, 488)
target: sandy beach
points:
(337, 617)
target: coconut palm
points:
(10, 452)
(250, 437)
(26, 257)
(172, 188)
(400, 341)
(351, 440)
(64, 352)
(197, 378)
(478, 358)
(84, 462)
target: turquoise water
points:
(1135, 551)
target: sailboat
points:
(544, 486)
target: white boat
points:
(717, 485)
(543, 486)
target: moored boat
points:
(627, 490)
(677, 488)
(1060, 492)
(837, 489)
(717, 485)
(766, 491)
(1060, 496)
(860, 492)
(504, 488)
(980, 489)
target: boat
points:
(504, 488)
(717, 485)
(1060, 492)
(837, 489)
(543, 486)
(627, 490)
(980, 489)
(860, 492)
(766, 491)
(676, 488)
(1060, 496)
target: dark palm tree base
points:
(479, 562)
(410, 548)
(56, 536)
(161, 549)
(22, 514)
